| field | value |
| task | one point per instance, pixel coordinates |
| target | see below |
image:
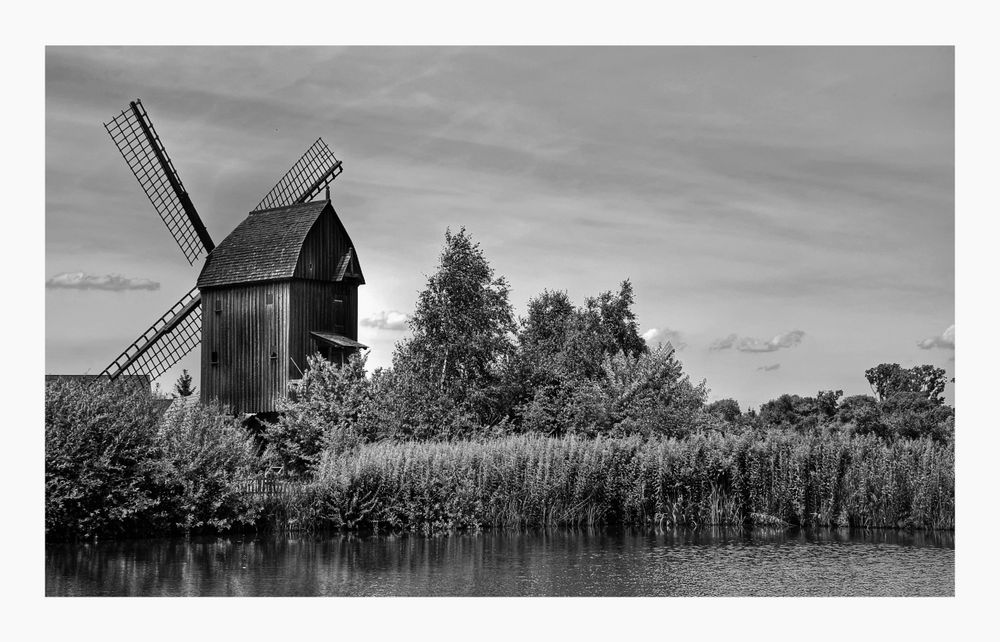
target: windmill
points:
(289, 263)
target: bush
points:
(333, 409)
(100, 449)
(205, 458)
(112, 467)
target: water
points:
(554, 562)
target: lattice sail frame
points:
(166, 342)
(305, 180)
(133, 134)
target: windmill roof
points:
(264, 247)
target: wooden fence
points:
(269, 487)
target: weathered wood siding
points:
(243, 329)
(326, 242)
(314, 308)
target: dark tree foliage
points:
(887, 379)
(557, 339)
(615, 321)
(864, 414)
(588, 371)
(909, 406)
(728, 409)
(791, 411)
(913, 415)
(826, 402)
(546, 328)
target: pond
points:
(678, 562)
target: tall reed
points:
(776, 478)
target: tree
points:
(728, 409)
(555, 379)
(913, 415)
(616, 321)
(826, 402)
(887, 379)
(864, 414)
(648, 393)
(463, 327)
(929, 381)
(790, 411)
(183, 387)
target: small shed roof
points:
(264, 247)
(338, 340)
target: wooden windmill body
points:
(283, 285)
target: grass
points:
(770, 479)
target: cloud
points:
(750, 344)
(945, 340)
(785, 340)
(666, 335)
(113, 282)
(724, 343)
(386, 320)
(770, 368)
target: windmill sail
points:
(305, 180)
(132, 132)
(165, 343)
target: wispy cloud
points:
(770, 368)
(724, 343)
(112, 282)
(386, 320)
(666, 335)
(750, 344)
(945, 340)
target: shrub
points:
(113, 467)
(100, 449)
(205, 457)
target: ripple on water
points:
(675, 562)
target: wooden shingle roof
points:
(263, 247)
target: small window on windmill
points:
(215, 358)
(218, 306)
(274, 354)
(339, 315)
(269, 298)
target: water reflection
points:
(707, 561)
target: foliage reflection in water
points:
(671, 562)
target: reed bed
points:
(527, 481)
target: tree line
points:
(471, 370)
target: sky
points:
(785, 214)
